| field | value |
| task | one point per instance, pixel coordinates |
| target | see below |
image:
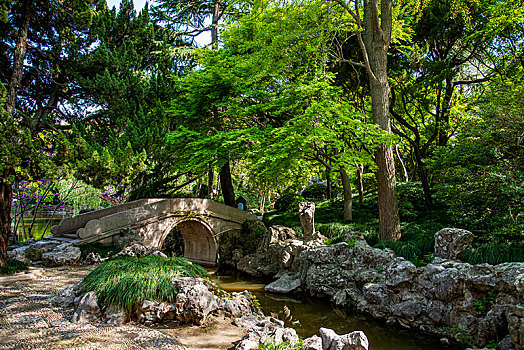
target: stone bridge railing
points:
(71, 225)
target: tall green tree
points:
(373, 23)
(38, 39)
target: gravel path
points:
(28, 320)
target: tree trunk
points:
(329, 189)
(210, 181)
(6, 198)
(18, 59)
(404, 169)
(360, 183)
(226, 184)
(445, 110)
(214, 25)
(348, 198)
(377, 36)
(423, 173)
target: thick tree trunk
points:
(348, 198)
(6, 198)
(226, 184)
(360, 183)
(18, 58)
(377, 36)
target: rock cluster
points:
(51, 253)
(473, 304)
(138, 250)
(266, 331)
(277, 251)
(194, 302)
(63, 254)
(271, 331)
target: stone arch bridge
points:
(200, 221)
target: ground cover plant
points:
(13, 266)
(126, 282)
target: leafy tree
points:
(373, 23)
(46, 34)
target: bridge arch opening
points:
(194, 240)
(173, 244)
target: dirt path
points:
(28, 320)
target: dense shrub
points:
(410, 200)
(128, 281)
(13, 266)
(288, 201)
(316, 192)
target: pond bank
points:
(472, 305)
(307, 314)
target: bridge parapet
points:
(69, 225)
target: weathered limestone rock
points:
(115, 316)
(66, 297)
(313, 343)
(351, 341)
(306, 211)
(278, 250)
(506, 343)
(247, 321)
(450, 243)
(154, 312)
(400, 273)
(194, 302)
(267, 331)
(87, 309)
(68, 255)
(278, 234)
(285, 284)
(92, 258)
(19, 254)
(34, 251)
(334, 254)
(135, 250)
(238, 305)
(442, 283)
(515, 317)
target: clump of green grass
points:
(281, 346)
(495, 253)
(13, 266)
(126, 282)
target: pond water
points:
(38, 227)
(306, 315)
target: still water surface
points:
(38, 227)
(306, 315)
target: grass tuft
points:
(281, 346)
(126, 282)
